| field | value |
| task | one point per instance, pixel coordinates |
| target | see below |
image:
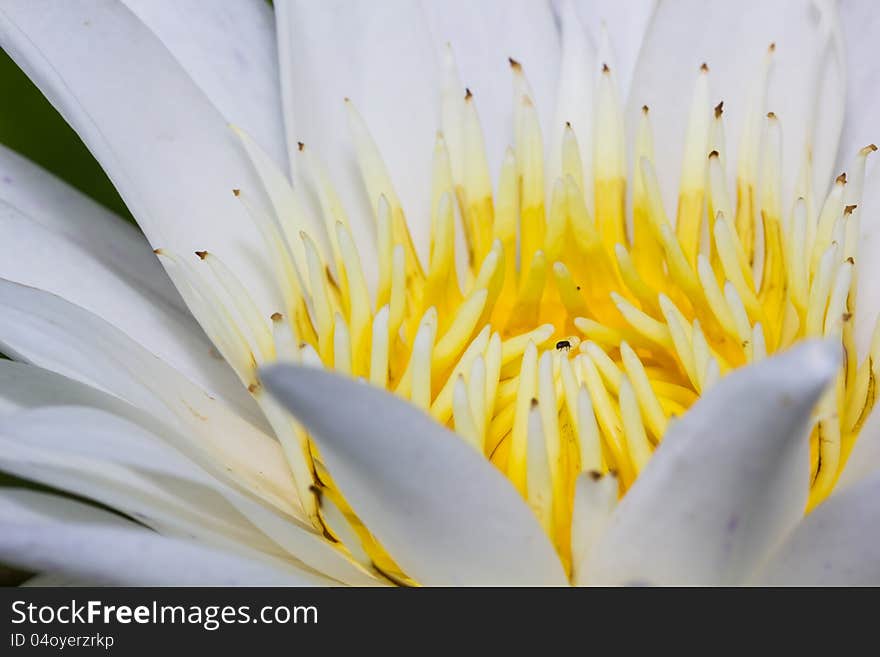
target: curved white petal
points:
(165, 146)
(42, 329)
(806, 85)
(100, 436)
(595, 497)
(868, 298)
(378, 54)
(39, 327)
(729, 479)
(626, 24)
(838, 544)
(483, 35)
(67, 212)
(574, 97)
(107, 459)
(24, 387)
(445, 514)
(39, 257)
(864, 460)
(304, 544)
(228, 49)
(44, 532)
(860, 24)
(134, 470)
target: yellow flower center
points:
(562, 338)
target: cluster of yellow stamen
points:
(563, 340)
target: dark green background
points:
(30, 125)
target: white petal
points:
(304, 544)
(733, 38)
(445, 514)
(25, 387)
(574, 100)
(100, 350)
(48, 533)
(868, 297)
(65, 211)
(165, 146)
(626, 23)
(860, 24)
(118, 464)
(730, 477)
(865, 456)
(483, 35)
(594, 499)
(864, 460)
(228, 49)
(378, 54)
(40, 328)
(131, 469)
(838, 544)
(43, 258)
(101, 436)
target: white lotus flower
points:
(558, 304)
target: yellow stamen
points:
(559, 349)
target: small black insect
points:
(563, 345)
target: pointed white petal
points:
(574, 99)
(806, 85)
(864, 460)
(303, 543)
(729, 479)
(868, 296)
(44, 532)
(595, 497)
(130, 468)
(165, 146)
(63, 210)
(42, 329)
(118, 464)
(379, 55)
(860, 24)
(100, 436)
(625, 23)
(483, 35)
(445, 514)
(838, 544)
(40, 257)
(865, 457)
(228, 49)
(24, 386)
